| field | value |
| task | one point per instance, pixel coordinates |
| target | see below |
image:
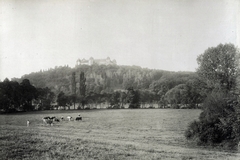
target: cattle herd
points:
(50, 120)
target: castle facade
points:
(92, 61)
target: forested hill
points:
(108, 78)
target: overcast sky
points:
(157, 34)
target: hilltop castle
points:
(92, 61)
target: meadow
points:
(104, 134)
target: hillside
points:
(107, 78)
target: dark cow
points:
(56, 120)
(79, 118)
(48, 120)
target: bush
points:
(135, 105)
(218, 123)
(151, 107)
(10, 110)
(192, 106)
(193, 130)
(175, 106)
(28, 107)
(116, 106)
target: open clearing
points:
(103, 134)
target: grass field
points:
(103, 134)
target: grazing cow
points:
(69, 118)
(48, 120)
(44, 119)
(79, 118)
(56, 120)
(62, 118)
(28, 122)
(47, 117)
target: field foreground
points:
(103, 134)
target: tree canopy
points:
(219, 123)
(15, 96)
(219, 66)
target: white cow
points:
(69, 118)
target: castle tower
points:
(78, 62)
(91, 60)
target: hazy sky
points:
(157, 34)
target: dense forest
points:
(165, 88)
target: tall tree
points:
(29, 93)
(73, 97)
(45, 98)
(219, 66)
(123, 97)
(219, 123)
(133, 98)
(115, 99)
(82, 89)
(63, 100)
(10, 95)
(17, 97)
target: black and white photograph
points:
(120, 79)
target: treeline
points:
(16, 96)
(154, 86)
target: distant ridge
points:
(108, 78)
